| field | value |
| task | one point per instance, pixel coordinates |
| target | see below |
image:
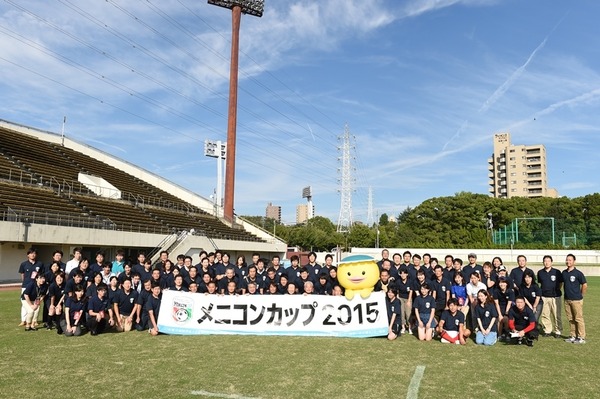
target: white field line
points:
(220, 395)
(415, 382)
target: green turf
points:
(135, 365)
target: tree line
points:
(460, 221)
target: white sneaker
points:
(571, 340)
(579, 341)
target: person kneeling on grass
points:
(394, 310)
(424, 308)
(486, 315)
(522, 323)
(74, 307)
(100, 314)
(452, 325)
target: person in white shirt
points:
(73, 263)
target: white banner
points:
(184, 313)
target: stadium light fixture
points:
(237, 7)
(252, 7)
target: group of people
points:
(453, 300)
(456, 300)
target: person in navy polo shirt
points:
(486, 315)
(404, 290)
(28, 271)
(124, 307)
(550, 280)
(472, 266)
(442, 289)
(424, 307)
(452, 325)
(516, 274)
(99, 311)
(575, 286)
(504, 298)
(532, 293)
(394, 310)
(32, 298)
(522, 323)
(151, 309)
(74, 313)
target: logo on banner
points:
(182, 309)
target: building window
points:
(515, 173)
(513, 182)
(513, 166)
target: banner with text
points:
(185, 313)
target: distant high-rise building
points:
(273, 212)
(518, 170)
(302, 213)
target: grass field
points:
(134, 365)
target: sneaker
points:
(579, 341)
(547, 335)
(529, 342)
(403, 331)
(557, 334)
(502, 338)
(571, 340)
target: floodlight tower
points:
(307, 193)
(345, 219)
(237, 7)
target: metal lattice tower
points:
(370, 220)
(347, 182)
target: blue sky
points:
(422, 84)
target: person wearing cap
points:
(472, 266)
(516, 274)
(99, 313)
(503, 273)
(575, 285)
(550, 280)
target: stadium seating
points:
(45, 174)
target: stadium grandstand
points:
(57, 193)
